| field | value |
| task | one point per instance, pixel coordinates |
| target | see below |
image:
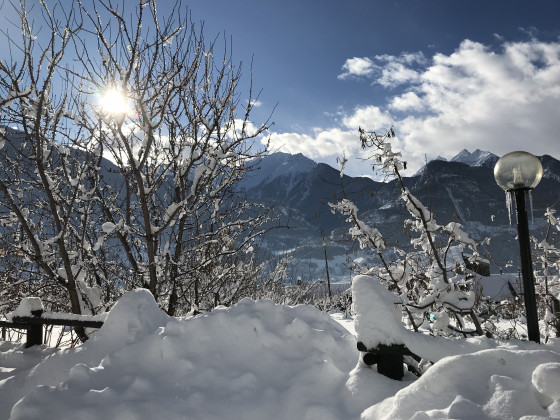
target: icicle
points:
(508, 205)
(531, 205)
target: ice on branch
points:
(8, 100)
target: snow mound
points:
(489, 384)
(134, 316)
(378, 313)
(259, 360)
(378, 321)
(476, 378)
(27, 306)
(255, 360)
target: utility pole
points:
(327, 267)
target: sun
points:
(114, 102)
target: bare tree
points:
(131, 137)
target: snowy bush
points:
(434, 293)
(547, 275)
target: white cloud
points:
(320, 144)
(395, 74)
(479, 98)
(325, 146)
(387, 70)
(357, 67)
(408, 101)
(405, 58)
(397, 70)
(476, 97)
(369, 118)
(249, 128)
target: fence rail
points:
(34, 324)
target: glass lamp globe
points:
(518, 170)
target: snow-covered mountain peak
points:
(277, 165)
(476, 158)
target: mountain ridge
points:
(476, 158)
(299, 191)
(455, 191)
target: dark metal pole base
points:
(527, 267)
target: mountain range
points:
(461, 190)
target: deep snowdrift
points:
(259, 360)
(256, 360)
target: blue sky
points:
(446, 74)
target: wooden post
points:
(34, 331)
(388, 358)
(556, 311)
(391, 365)
(327, 267)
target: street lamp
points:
(517, 173)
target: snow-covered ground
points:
(259, 360)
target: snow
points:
(73, 317)
(108, 227)
(476, 158)
(259, 360)
(254, 360)
(27, 306)
(489, 384)
(372, 301)
(277, 165)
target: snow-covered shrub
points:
(434, 293)
(547, 275)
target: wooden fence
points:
(34, 323)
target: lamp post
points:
(517, 173)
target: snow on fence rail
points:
(30, 316)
